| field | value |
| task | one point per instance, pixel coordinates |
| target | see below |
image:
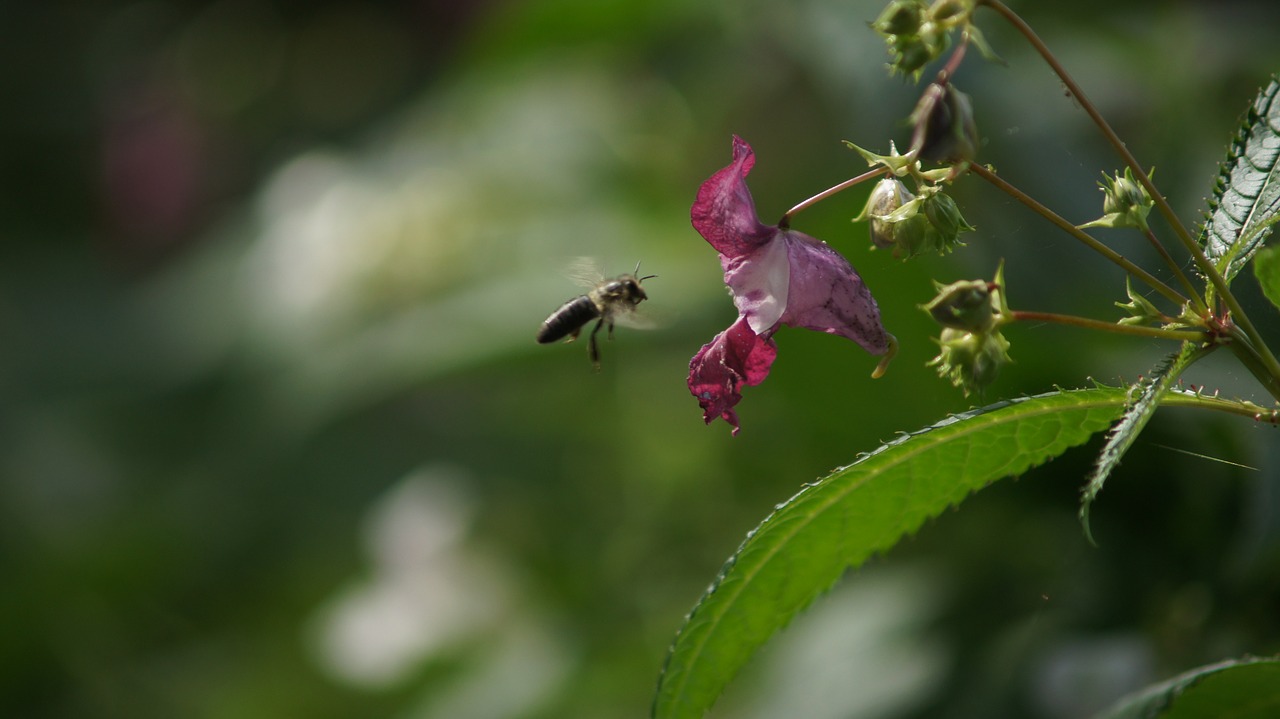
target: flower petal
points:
(761, 283)
(827, 295)
(735, 358)
(724, 213)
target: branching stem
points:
(1171, 294)
(1255, 362)
(1193, 248)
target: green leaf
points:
(1246, 196)
(1146, 395)
(1241, 689)
(800, 550)
(1266, 267)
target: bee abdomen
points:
(567, 320)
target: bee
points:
(608, 301)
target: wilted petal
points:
(724, 213)
(735, 358)
(827, 295)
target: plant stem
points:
(953, 63)
(1132, 330)
(1255, 342)
(1171, 294)
(1186, 398)
(1180, 230)
(1196, 301)
(1117, 144)
(1256, 363)
(785, 222)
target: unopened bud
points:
(1125, 197)
(911, 55)
(912, 38)
(1124, 194)
(944, 215)
(944, 10)
(1125, 202)
(915, 235)
(944, 128)
(888, 195)
(967, 305)
(901, 17)
(970, 360)
(912, 225)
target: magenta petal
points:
(735, 358)
(827, 295)
(724, 212)
(777, 277)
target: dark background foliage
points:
(275, 439)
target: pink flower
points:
(778, 277)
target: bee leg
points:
(573, 335)
(593, 349)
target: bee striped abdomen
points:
(568, 320)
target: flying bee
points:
(608, 301)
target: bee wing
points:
(636, 320)
(585, 271)
(633, 317)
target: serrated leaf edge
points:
(1247, 235)
(1149, 391)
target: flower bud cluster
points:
(909, 224)
(1125, 202)
(917, 33)
(972, 347)
(970, 360)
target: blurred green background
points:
(276, 441)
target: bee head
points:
(636, 292)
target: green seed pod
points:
(915, 235)
(944, 215)
(966, 305)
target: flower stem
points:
(953, 63)
(1133, 330)
(1171, 294)
(785, 222)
